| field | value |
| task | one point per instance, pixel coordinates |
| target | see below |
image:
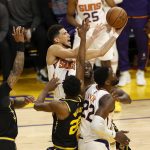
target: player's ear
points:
(56, 40)
(107, 82)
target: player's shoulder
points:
(54, 47)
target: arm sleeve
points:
(4, 94)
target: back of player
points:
(93, 10)
(64, 135)
(8, 120)
(61, 69)
(88, 138)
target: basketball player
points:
(117, 93)
(94, 11)
(58, 63)
(8, 119)
(138, 14)
(98, 104)
(66, 112)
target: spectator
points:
(54, 12)
(25, 13)
(4, 49)
(138, 13)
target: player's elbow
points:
(36, 107)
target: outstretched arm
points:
(18, 34)
(22, 102)
(121, 96)
(90, 54)
(39, 103)
(6, 87)
(59, 107)
(80, 61)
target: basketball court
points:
(35, 127)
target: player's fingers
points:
(125, 131)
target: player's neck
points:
(64, 46)
(105, 88)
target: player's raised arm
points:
(39, 103)
(18, 34)
(80, 61)
(90, 54)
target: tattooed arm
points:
(18, 34)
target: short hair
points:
(72, 86)
(53, 31)
(101, 74)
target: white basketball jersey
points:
(91, 105)
(61, 69)
(92, 10)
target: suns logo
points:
(89, 7)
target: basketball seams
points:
(117, 17)
(109, 15)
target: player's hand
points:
(29, 99)
(98, 30)
(122, 138)
(18, 34)
(83, 29)
(52, 84)
(115, 95)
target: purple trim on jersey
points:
(136, 7)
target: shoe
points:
(124, 78)
(118, 107)
(42, 75)
(140, 79)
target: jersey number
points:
(92, 17)
(74, 126)
(90, 108)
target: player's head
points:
(88, 70)
(58, 35)
(72, 86)
(104, 76)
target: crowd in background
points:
(37, 16)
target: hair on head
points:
(71, 86)
(101, 75)
(53, 31)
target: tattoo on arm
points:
(17, 69)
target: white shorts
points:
(97, 44)
(92, 145)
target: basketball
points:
(116, 17)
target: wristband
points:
(115, 35)
(20, 46)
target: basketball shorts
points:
(93, 145)
(7, 145)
